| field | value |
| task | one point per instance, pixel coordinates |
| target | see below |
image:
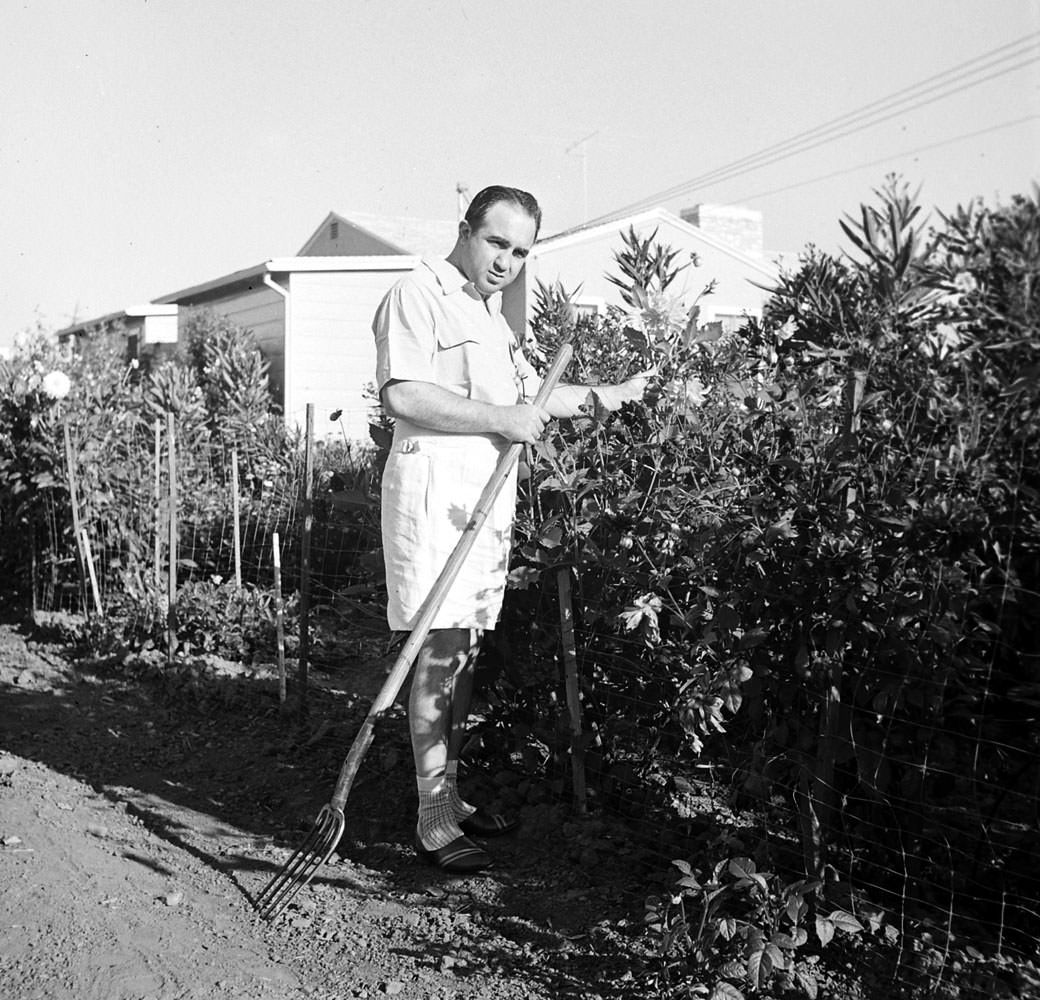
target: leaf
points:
(824, 930)
(551, 536)
(807, 980)
(845, 921)
(644, 609)
(742, 868)
(790, 941)
(759, 968)
(751, 638)
(381, 437)
(725, 991)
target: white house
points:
(148, 328)
(311, 314)
(311, 317)
(724, 242)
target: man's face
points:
(492, 255)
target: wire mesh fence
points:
(916, 806)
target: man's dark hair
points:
(483, 200)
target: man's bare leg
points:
(438, 705)
(436, 720)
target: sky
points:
(150, 145)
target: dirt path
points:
(139, 815)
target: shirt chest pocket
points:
(457, 360)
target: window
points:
(589, 307)
(334, 230)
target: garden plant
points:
(803, 577)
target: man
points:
(451, 373)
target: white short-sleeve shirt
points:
(433, 326)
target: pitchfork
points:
(328, 827)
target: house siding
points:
(586, 263)
(333, 356)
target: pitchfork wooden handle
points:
(432, 604)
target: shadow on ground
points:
(217, 767)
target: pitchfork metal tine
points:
(302, 865)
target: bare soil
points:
(142, 809)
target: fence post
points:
(305, 559)
(570, 669)
(70, 471)
(171, 583)
(279, 616)
(34, 571)
(237, 537)
(824, 793)
(157, 499)
(88, 556)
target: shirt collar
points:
(451, 279)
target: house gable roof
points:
(655, 216)
(365, 233)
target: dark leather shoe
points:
(485, 824)
(460, 857)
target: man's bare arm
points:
(567, 400)
(435, 408)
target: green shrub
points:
(746, 539)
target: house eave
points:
(130, 312)
(288, 265)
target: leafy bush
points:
(741, 927)
(218, 397)
(838, 498)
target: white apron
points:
(430, 489)
(432, 480)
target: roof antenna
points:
(462, 191)
(584, 148)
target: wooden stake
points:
(70, 472)
(237, 539)
(90, 568)
(171, 583)
(34, 572)
(305, 558)
(570, 669)
(279, 617)
(824, 794)
(157, 500)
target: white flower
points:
(965, 281)
(940, 342)
(56, 384)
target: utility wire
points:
(765, 156)
(891, 156)
(909, 93)
(862, 117)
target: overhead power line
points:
(885, 159)
(963, 76)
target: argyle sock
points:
(460, 807)
(437, 826)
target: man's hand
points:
(523, 422)
(632, 389)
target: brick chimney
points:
(738, 227)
